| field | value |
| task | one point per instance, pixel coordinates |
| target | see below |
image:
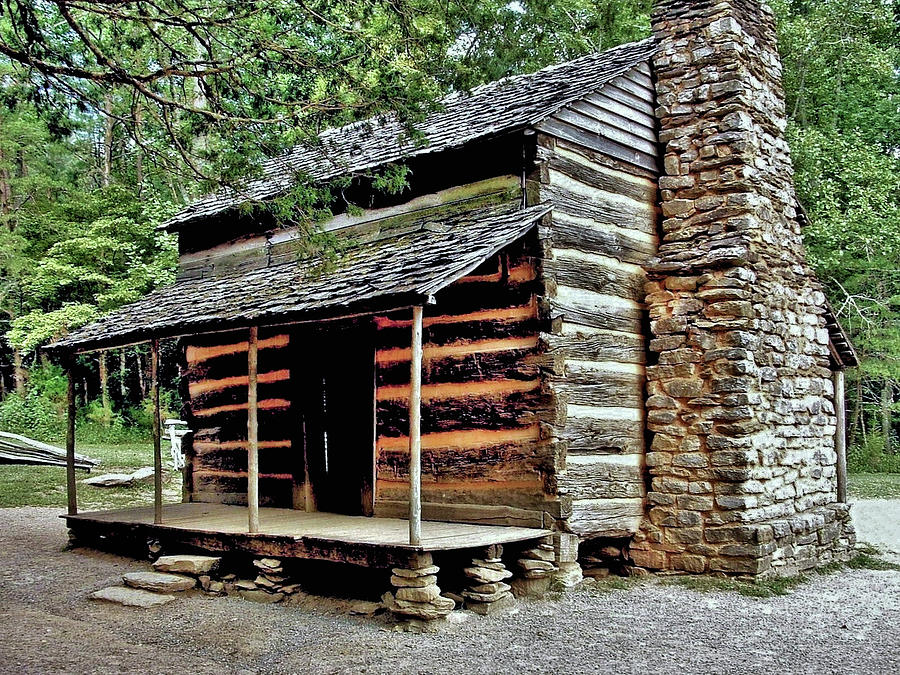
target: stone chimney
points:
(740, 398)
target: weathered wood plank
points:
(512, 364)
(603, 100)
(603, 436)
(577, 342)
(597, 273)
(597, 209)
(571, 232)
(592, 119)
(606, 517)
(570, 132)
(596, 310)
(602, 477)
(479, 514)
(478, 462)
(601, 177)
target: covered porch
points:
(290, 533)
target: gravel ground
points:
(877, 522)
(842, 623)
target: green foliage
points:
(870, 457)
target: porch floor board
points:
(377, 542)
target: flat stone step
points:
(131, 597)
(195, 565)
(159, 582)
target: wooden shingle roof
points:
(498, 107)
(398, 269)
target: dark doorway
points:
(334, 390)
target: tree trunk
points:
(139, 150)
(140, 373)
(5, 189)
(123, 373)
(104, 389)
(19, 372)
(106, 165)
(887, 400)
(857, 408)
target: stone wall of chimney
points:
(740, 398)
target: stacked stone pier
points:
(535, 569)
(417, 596)
(488, 591)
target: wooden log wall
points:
(598, 164)
(484, 457)
(216, 379)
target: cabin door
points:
(336, 402)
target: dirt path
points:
(844, 623)
(877, 522)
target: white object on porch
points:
(175, 431)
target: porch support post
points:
(840, 435)
(71, 494)
(252, 431)
(157, 451)
(415, 431)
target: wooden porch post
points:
(71, 494)
(252, 432)
(840, 435)
(415, 431)
(157, 451)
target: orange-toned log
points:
(198, 354)
(431, 392)
(202, 447)
(269, 404)
(207, 473)
(517, 275)
(519, 313)
(458, 349)
(204, 386)
(465, 439)
(474, 485)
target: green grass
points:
(615, 583)
(874, 485)
(23, 485)
(765, 588)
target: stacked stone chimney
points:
(740, 397)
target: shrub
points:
(870, 457)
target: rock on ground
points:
(159, 582)
(194, 565)
(131, 597)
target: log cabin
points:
(587, 324)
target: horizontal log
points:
(465, 331)
(619, 394)
(203, 386)
(557, 127)
(596, 273)
(200, 352)
(514, 410)
(232, 426)
(526, 494)
(478, 514)
(606, 517)
(233, 489)
(271, 461)
(633, 126)
(600, 177)
(393, 356)
(595, 120)
(602, 477)
(512, 364)
(569, 231)
(232, 365)
(637, 85)
(619, 90)
(457, 464)
(577, 342)
(596, 435)
(231, 399)
(458, 390)
(598, 210)
(464, 439)
(596, 311)
(268, 404)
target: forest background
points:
(115, 114)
